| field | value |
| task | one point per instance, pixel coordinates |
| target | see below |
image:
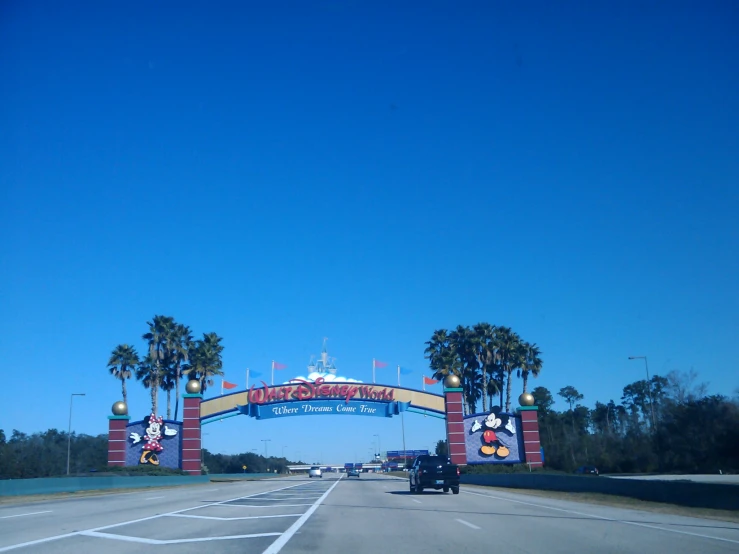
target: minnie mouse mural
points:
(152, 434)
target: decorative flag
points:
(276, 365)
(376, 364)
(227, 385)
(402, 371)
(428, 381)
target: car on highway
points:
(433, 472)
(315, 471)
(587, 470)
(353, 473)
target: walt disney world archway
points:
(494, 437)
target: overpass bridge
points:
(303, 468)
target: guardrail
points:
(51, 485)
(683, 493)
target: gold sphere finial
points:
(193, 386)
(526, 399)
(120, 408)
(452, 381)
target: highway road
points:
(339, 515)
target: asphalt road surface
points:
(340, 515)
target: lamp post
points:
(265, 441)
(649, 385)
(69, 430)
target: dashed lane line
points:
(699, 535)
(28, 514)
(468, 524)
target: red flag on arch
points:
(276, 365)
(227, 385)
(429, 381)
(380, 364)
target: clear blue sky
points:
(367, 172)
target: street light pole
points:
(69, 430)
(379, 445)
(649, 386)
(265, 441)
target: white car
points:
(315, 471)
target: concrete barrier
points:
(242, 476)
(50, 485)
(683, 493)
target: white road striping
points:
(96, 529)
(416, 501)
(154, 498)
(467, 523)
(258, 505)
(28, 514)
(127, 538)
(280, 543)
(233, 518)
(699, 535)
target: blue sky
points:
(366, 172)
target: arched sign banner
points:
(320, 398)
(324, 407)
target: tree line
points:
(24, 456)
(485, 357)
(666, 424)
(171, 354)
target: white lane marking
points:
(154, 498)
(699, 535)
(234, 518)
(467, 523)
(66, 535)
(259, 506)
(416, 501)
(28, 514)
(279, 544)
(127, 538)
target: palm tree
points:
(158, 337)
(462, 343)
(510, 357)
(167, 384)
(205, 360)
(180, 347)
(151, 375)
(484, 346)
(443, 360)
(122, 363)
(531, 365)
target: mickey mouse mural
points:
(153, 434)
(494, 424)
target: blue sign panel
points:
(406, 453)
(324, 407)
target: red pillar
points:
(455, 436)
(530, 428)
(117, 439)
(191, 434)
